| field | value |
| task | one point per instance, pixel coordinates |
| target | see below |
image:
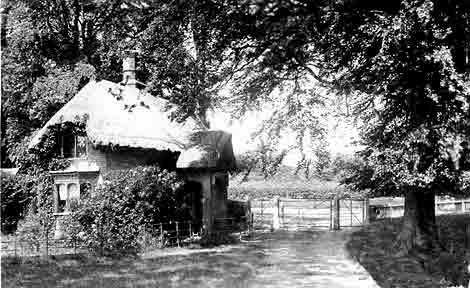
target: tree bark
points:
(419, 231)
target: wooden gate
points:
(303, 214)
(300, 214)
(353, 212)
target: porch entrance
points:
(194, 189)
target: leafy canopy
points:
(51, 49)
(407, 89)
(399, 70)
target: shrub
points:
(128, 205)
(15, 199)
(35, 228)
(37, 207)
(28, 195)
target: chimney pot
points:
(128, 68)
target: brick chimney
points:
(128, 68)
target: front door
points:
(194, 189)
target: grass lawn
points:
(374, 247)
(178, 267)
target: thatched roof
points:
(111, 120)
(125, 116)
(209, 149)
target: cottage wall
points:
(98, 157)
(108, 159)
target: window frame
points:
(61, 208)
(75, 141)
(64, 207)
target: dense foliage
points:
(51, 49)
(28, 194)
(411, 92)
(276, 52)
(419, 109)
(15, 198)
(35, 185)
(398, 69)
(127, 208)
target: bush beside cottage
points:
(123, 213)
(15, 199)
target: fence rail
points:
(320, 213)
(170, 234)
(393, 210)
(325, 213)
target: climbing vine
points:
(33, 176)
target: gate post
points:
(336, 215)
(366, 211)
(276, 221)
(248, 215)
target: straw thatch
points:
(209, 149)
(124, 116)
(198, 157)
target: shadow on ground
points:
(375, 248)
(281, 259)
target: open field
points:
(280, 259)
(374, 247)
(284, 184)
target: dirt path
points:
(307, 259)
(280, 259)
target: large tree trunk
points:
(419, 231)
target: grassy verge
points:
(374, 247)
(172, 267)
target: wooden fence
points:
(298, 214)
(381, 211)
(295, 214)
(171, 234)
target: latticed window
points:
(70, 192)
(62, 198)
(74, 146)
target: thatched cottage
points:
(126, 127)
